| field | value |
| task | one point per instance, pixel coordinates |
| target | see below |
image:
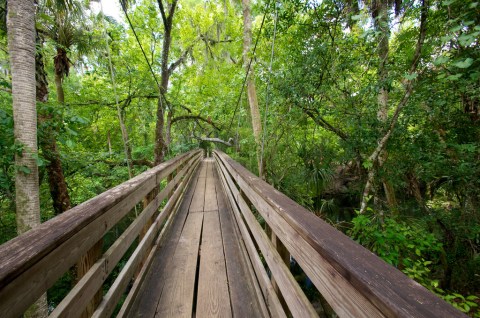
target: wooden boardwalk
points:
(201, 252)
(201, 268)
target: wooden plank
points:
(352, 279)
(79, 296)
(246, 300)
(33, 262)
(325, 278)
(145, 304)
(270, 297)
(177, 297)
(210, 195)
(296, 300)
(213, 298)
(137, 284)
(198, 201)
(107, 306)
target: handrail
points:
(35, 260)
(354, 281)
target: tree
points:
(251, 90)
(59, 25)
(166, 71)
(21, 41)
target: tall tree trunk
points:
(251, 90)
(159, 134)
(382, 25)
(381, 22)
(21, 42)
(48, 143)
(160, 140)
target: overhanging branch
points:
(195, 117)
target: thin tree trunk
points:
(381, 23)
(109, 144)
(382, 142)
(21, 43)
(251, 90)
(59, 88)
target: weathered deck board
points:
(146, 304)
(210, 193)
(203, 237)
(213, 298)
(198, 200)
(244, 299)
(177, 298)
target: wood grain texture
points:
(210, 193)
(269, 296)
(32, 262)
(145, 304)
(296, 300)
(143, 272)
(213, 297)
(246, 297)
(198, 200)
(177, 297)
(107, 306)
(79, 296)
(363, 273)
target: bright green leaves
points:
(411, 76)
(441, 60)
(464, 63)
(23, 169)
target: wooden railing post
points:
(83, 266)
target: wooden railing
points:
(34, 261)
(354, 281)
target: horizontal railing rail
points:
(31, 263)
(354, 281)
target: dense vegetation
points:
(370, 114)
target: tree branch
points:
(319, 120)
(196, 117)
(162, 12)
(180, 60)
(228, 143)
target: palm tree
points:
(60, 17)
(21, 42)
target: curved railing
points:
(354, 281)
(31, 263)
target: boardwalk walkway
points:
(200, 270)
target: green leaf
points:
(356, 17)
(464, 64)
(411, 76)
(24, 169)
(417, 251)
(454, 77)
(367, 164)
(441, 60)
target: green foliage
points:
(411, 248)
(398, 243)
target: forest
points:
(367, 113)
